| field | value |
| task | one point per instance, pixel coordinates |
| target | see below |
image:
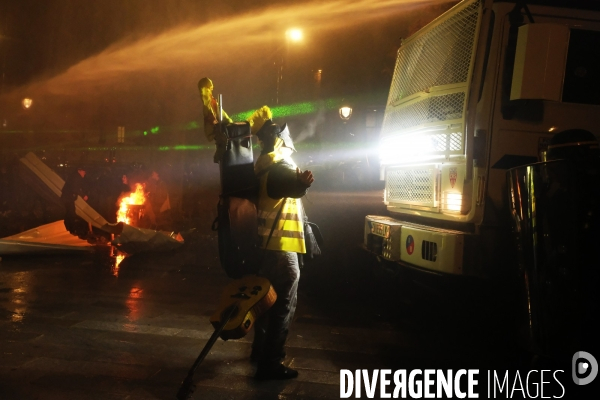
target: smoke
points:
(310, 129)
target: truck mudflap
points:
(433, 249)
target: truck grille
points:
(411, 186)
(438, 56)
(432, 109)
(429, 250)
(433, 67)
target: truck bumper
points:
(432, 249)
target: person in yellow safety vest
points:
(279, 209)
(210, 112)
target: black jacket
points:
(282, 181)
(74, 186)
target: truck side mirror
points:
(540, 61)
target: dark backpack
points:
(236, 222)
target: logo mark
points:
(584, 364)
(410, 244)
(453, 175)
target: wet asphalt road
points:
(81, 327)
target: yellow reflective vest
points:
(288, 234)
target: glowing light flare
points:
(27, 103)
(452, 201)
(294, 34)
(405, 147)
(135, 198)
(345, 113)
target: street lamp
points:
(294, 34)
(26, 103)
(345, 113)
(291, 35)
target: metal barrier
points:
(555, 209)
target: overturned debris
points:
(131, 240)
(53, 237)
(49, 185)
(50, 238)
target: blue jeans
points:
(270, 330)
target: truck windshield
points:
(582, 73)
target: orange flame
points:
(136, 198)
(118, 259)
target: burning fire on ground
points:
(135, 199)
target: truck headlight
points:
(451, 201)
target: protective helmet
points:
(284, 134)
(271, 131)
(205, 83)
(573, 144)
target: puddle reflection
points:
(116, 258)
(21, 283)
(133, 303)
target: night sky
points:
(137, 62)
